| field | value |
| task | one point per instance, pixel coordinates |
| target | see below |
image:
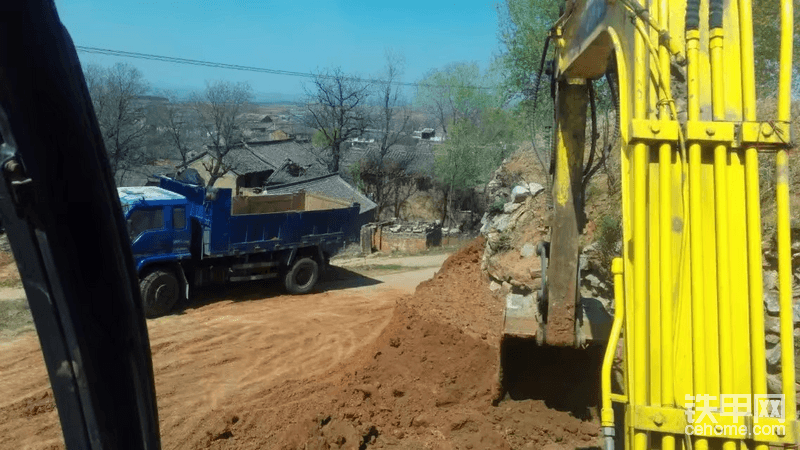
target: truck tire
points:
(160, 292)
(302, 277)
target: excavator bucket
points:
(524, 320)
(522, 316)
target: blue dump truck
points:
(184, 236)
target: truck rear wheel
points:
(302, 277)
(160, 291)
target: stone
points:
(583, 263)
(508, 208)
(770, 280)
(494, 286)
(796, 313)
(535, 189)
(774, 383)
(528, 250)
(774, 358)
(519, 194)
(421, 420)
(501, 222)
(772, 324)
(772, 338)
(593, 281)
(771, 303)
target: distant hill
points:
(265, 98)
(269, 98)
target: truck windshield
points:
(143, 220)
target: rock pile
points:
(511, 235)
(772, 310)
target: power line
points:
(217, 65)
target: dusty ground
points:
(362, 364)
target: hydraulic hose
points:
(538, 81)
(715, 14)
(692, 15)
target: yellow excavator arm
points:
(689, 308)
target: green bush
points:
(497, 207)
(609, 234)
(503, 243)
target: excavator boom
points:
(689, 295)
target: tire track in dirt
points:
(235, 345)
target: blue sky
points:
(300, 36)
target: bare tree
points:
(219, 108)
(389, 172)
(393, 118)
(180, 126)
(115, 93)
(389, 180)
(337, 109)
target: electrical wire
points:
(217, 65)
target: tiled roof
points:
(330, 185)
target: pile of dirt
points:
(459, 295)
(350, 370)
(428, 381)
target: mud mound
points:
(328, 371)
(459, 295)
(425, 384)
(430, 379)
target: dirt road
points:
(361, 364)
(228, 344)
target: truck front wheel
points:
(160, 291)
(302, 277)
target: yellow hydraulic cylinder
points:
(758, 359)
(695, 225)
(782, 206)
(639, 393)
(665, 193)
(723, 243)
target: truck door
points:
(148, 232)
(180, 230)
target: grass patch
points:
(10, 283)
(15, 317)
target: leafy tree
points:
(523, 28)
(219, 108)
(453, 93)
(115, 93)
(337, 108)
(462, 162)
(767, 42)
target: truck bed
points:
(250, 224)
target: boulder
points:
(508, 208)
(519, 194)
(502, 222)
(771, 303)
(527, 250)
(774, 359)
(535, 189)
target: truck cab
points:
(158, 224)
